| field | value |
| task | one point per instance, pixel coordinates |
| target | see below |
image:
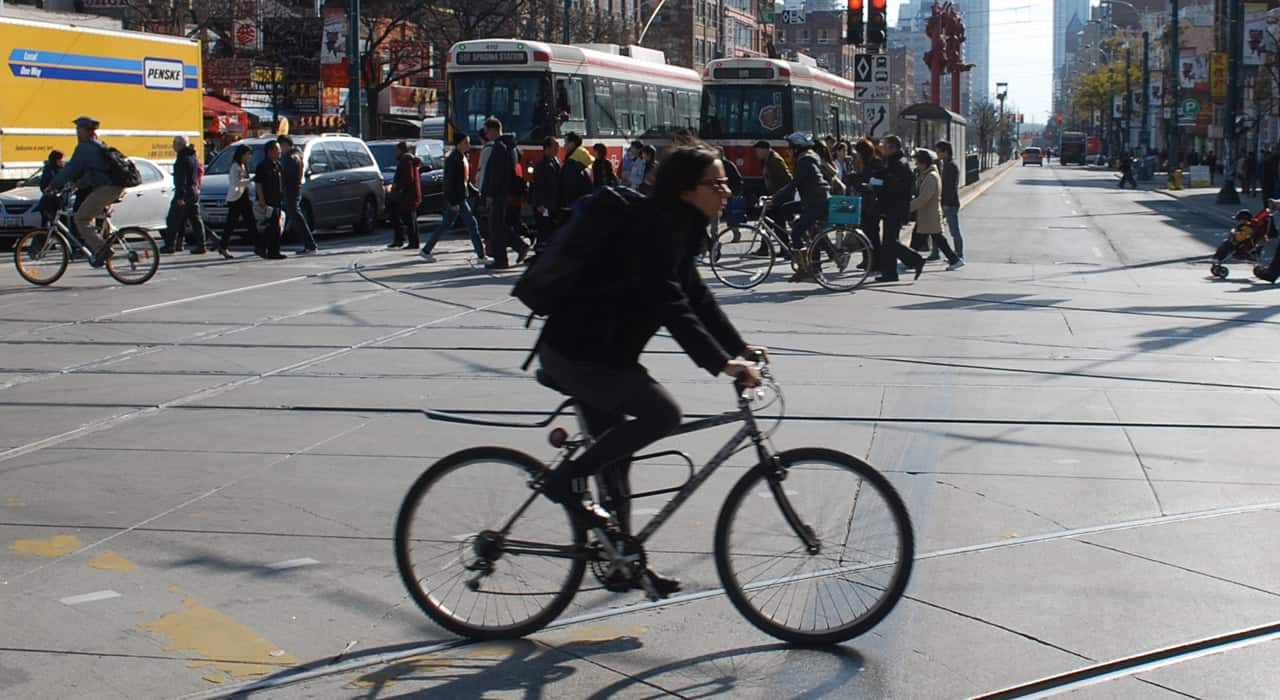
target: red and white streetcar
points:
(747, 100)
(607, 94)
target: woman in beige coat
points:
(927, 206)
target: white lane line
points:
(89, 597)
(292, 564)
(219, 389)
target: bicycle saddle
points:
(545, 380)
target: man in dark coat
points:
(292, 172)
(185, 208)
(269, 181)
(575, 175)
(499, 171)
(455, 190)
(545, 195)
(408, 188)
(894, 202)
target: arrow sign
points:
(875, 114)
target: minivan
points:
(342, 185)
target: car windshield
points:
(222, 164)
(743, 111)
(385, 154)
(519, 101)
(433, 162)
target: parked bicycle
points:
(743, 255)
(812, 546)
(42, 256)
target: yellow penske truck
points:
(144, 89)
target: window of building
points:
(804, 36)
(824, 36)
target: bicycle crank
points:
(619, 564)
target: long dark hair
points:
(867, 150)
(239, 153)
(681, 171)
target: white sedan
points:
(146, 205)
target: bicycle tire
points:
(432, 597)
(837, 252)
(732, 566)
(135, 256)
(56, 253)
(733, 256)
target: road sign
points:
(876, 118)
(793, 12)
(871, 73)
(1190, 107)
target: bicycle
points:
(485, 555)
(42, 256)
(743, 255)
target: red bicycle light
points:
(558, 437)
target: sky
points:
(1021, 53)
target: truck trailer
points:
(144, 88)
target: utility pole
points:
(1175, 89)
(566, 36)
(1146, 91)
(354, 119)
(1128, 99)
(1235, 51)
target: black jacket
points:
(809, 182)
(291, 173)
(655, 286)
(270, 183)
(455, 179)
(950, 183)
(895, 194)
(546, 184)
(602, 174)
(575, 183)
(186, 175)
(499, 170)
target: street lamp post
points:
(1235, 49)
(1002, 91)
(354, 122)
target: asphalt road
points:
(1081, 422)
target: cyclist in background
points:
(814, 190)
(591, 347)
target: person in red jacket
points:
(408, 196)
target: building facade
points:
(693, 32)
(821, 37)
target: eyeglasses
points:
(718, 183)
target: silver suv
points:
(342, 185)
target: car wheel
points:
(368, 211)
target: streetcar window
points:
(682, 108)
(667, 110)
(519, 100)
(622, 108)
(602, 107)
(743, 111)
(651, 108)
(801, 110)
(570, 105)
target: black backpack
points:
(121, 171)
(558, 274)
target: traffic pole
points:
(355, 123)
(565, 34)
(1146, 92)
(1175, 90)
(1128, 99)
(1235, 47)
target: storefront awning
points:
(218, 106)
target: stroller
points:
(1246, 242)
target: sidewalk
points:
(1203, 199)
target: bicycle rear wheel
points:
(840, 588)
(842, 258)
(742, 256)
(41, 257)
(135, 257)
(466, 574)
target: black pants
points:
(544, 226)
(181, 215)
(940, 243)
(501, 236)
(892, 250)
(624, 409)
(239, 212)
(1128, 177)
(268, 242)
(407, 226)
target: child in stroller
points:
(1245, 242)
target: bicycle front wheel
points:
(850, 573)
(135, 257)
(473, 560)
(742, 256)
(41, 257)
(842, 258)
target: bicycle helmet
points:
(1243, 215)
(800, 139)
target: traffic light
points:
(1059, 118)
(877, 22)
(853, 34)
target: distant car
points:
(431, 176)
(1033, 156)
(342, 185)
(146, 205)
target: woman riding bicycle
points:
(591, 349)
